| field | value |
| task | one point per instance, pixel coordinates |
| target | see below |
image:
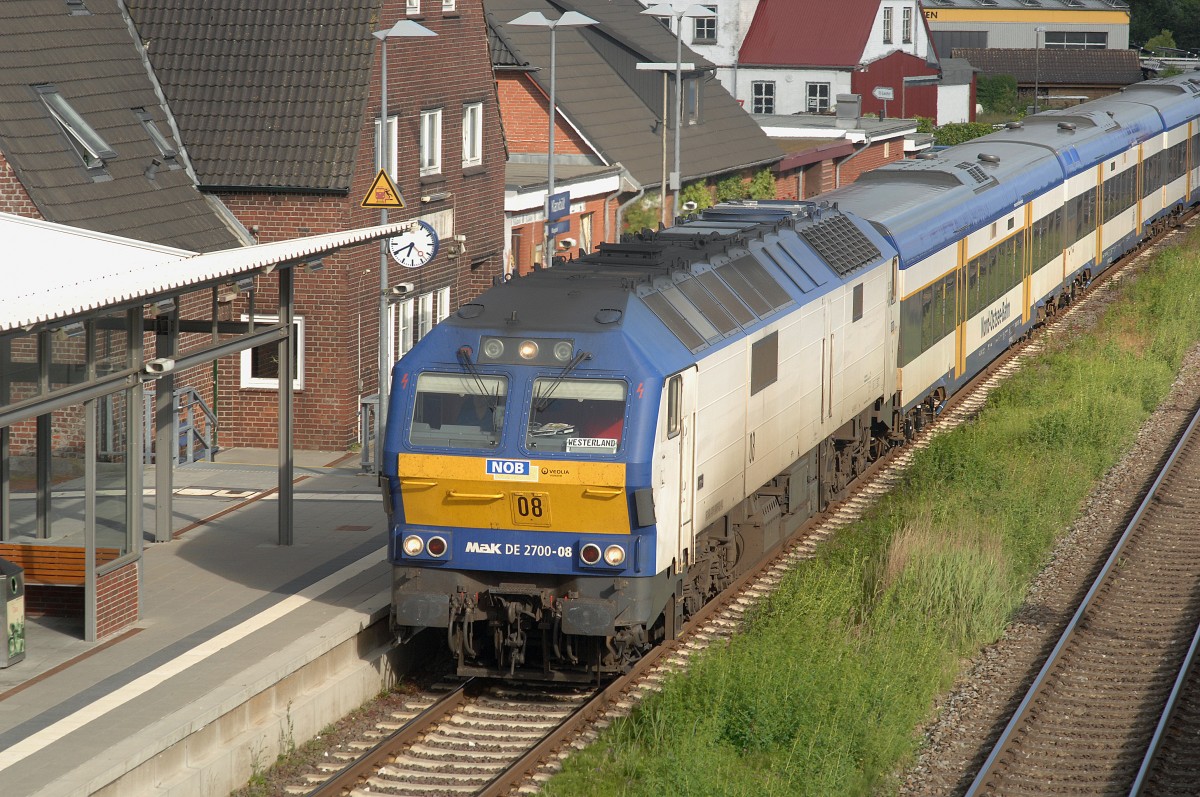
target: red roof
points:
(809, 33)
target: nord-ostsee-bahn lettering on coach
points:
(580, 458)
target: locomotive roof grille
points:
(841, 244)
(979, 174)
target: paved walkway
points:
(226, 613)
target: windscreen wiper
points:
(547, 397)
(464, 359)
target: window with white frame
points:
(260, 365)
(424, 314)
(762, 96)
(412, 7)
(447, 5)
(704, 30)
(385, 156)
(818, 97)
(402, 313)
(887, 24)
(431, 142)
(472, 131)
(906, 24)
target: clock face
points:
(416, 247)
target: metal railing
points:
(193, 427)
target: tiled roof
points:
(1063, 67)
(808, 33)
(270, 94)
(94, 63)
(595, 84)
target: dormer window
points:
(91, 148)
(76, 8)
(165, 148)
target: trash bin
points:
(12, 613)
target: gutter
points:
(837, 171)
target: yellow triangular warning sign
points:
(383, 193)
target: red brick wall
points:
(14, 198)
(527, 115)
(872, 158)
(117, 600)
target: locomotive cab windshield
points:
(584, 416)
(458, 410)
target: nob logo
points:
(508, 467)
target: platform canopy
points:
(54, 272)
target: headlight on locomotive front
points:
(413, 545)
(437, 547)
(614, 555)
(590, 554)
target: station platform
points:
(245, 648)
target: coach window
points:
(858, 302)
(260, 365)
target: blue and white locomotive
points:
(580, 458)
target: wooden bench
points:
(54, 565)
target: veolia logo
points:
(507, 467)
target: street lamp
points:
(664, 68)
(1036, 71)
(678, 13)
(405, 28)
(537, 19)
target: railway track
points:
(1088, 721)
(500, 739)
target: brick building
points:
(280, 112)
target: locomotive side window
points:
(674, 405)
(858, 303)
(458, 410)
(583, 416)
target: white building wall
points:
(953, 104)
(876, 46)
(791, 93)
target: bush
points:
(696, 192)
(762, 185)
(731, 188)
(958, 132)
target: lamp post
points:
(678, 13)
(537, 19)
(405, 28)
(1036, 70)
(664, 68)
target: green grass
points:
(825, 691)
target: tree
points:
(1162, 45)
(997, 93)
